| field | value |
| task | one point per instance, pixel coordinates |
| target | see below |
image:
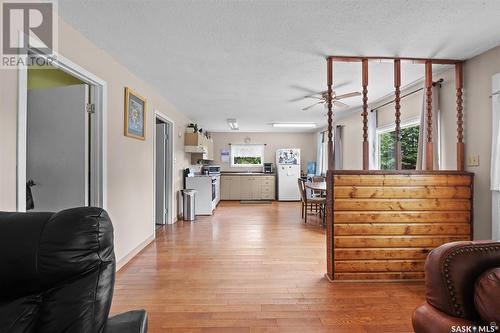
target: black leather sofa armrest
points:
(128, 322)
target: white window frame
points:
(233, 165)
(415, 121)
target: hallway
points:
(252, 269)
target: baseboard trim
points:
(134, 252)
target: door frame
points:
(100, 97)
(170, 171)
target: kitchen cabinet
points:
(248, 187)
(230, 188)
(256, 188)
(199, 140)
(225, 188)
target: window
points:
(409, 146)
(247, 155)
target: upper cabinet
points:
(200, 147)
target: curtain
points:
(372, 140)
(495, 159)
(322, 155)
(324, 162)
(422, 137)
(337, 148)
(495, 144)
(319, 153)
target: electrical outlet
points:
(473, 160)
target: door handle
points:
(30, 183)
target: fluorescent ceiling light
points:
(295, 125)
(233, 124)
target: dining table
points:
(317, 186)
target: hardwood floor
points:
(254, 268)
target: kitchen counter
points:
(248, 186)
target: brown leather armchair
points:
(462, 284)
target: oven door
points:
(214, 188)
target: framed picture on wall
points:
(135, 115)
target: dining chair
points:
(310, 202)
(318, 179)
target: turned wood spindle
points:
(329, 103)
(329, 176)
(364, 63)
(429, 155)
(460, 121)
(397, 106)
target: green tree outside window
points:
(409, 148)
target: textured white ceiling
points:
(250, 60)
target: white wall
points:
(306, 142)
(130, 161)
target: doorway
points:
(163, 170)
(61, 137)
(57, 147)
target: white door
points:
(161, 175)
(57, 147)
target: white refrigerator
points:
(288, 172)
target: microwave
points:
(211, 169)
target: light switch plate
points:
(473, 160)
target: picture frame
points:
(135, 115)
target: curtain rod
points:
(438, 82)
(325, 131)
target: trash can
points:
(188, 198)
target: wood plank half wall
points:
(385, 223)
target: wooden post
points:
(364, 64)
(329, 101)
(397, 106)
(460, 129)
(429, 149)
(329, 175)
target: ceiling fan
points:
(322, 96)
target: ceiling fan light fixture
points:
(294, 125)
(233, 124)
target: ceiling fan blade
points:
(353, 94)
(318, 94)
(315, 97)
(340, 105)
(312, 105)
(304, 89)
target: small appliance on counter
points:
(211, 170)
(267, 168)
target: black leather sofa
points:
(57, 274)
